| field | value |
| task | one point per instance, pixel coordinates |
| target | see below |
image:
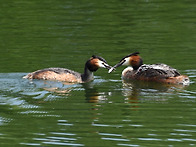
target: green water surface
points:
(105, 112)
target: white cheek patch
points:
(101, 64)
(126, 62)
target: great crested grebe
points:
(69, 76)
(161, 73)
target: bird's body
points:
(161, 73)
(70, 76)
(58, 74)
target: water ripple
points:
(52, 142)
(132, 145)
(114, 139)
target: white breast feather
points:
(127, 69)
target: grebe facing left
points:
(69, 76)
(161, 73)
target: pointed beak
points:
(119, 64)
(115, 66)
(107, 66)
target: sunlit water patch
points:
(15, 90)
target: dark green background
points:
(105, 112)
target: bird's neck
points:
(87, 75)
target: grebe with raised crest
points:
(161, 73)
(69, 76)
